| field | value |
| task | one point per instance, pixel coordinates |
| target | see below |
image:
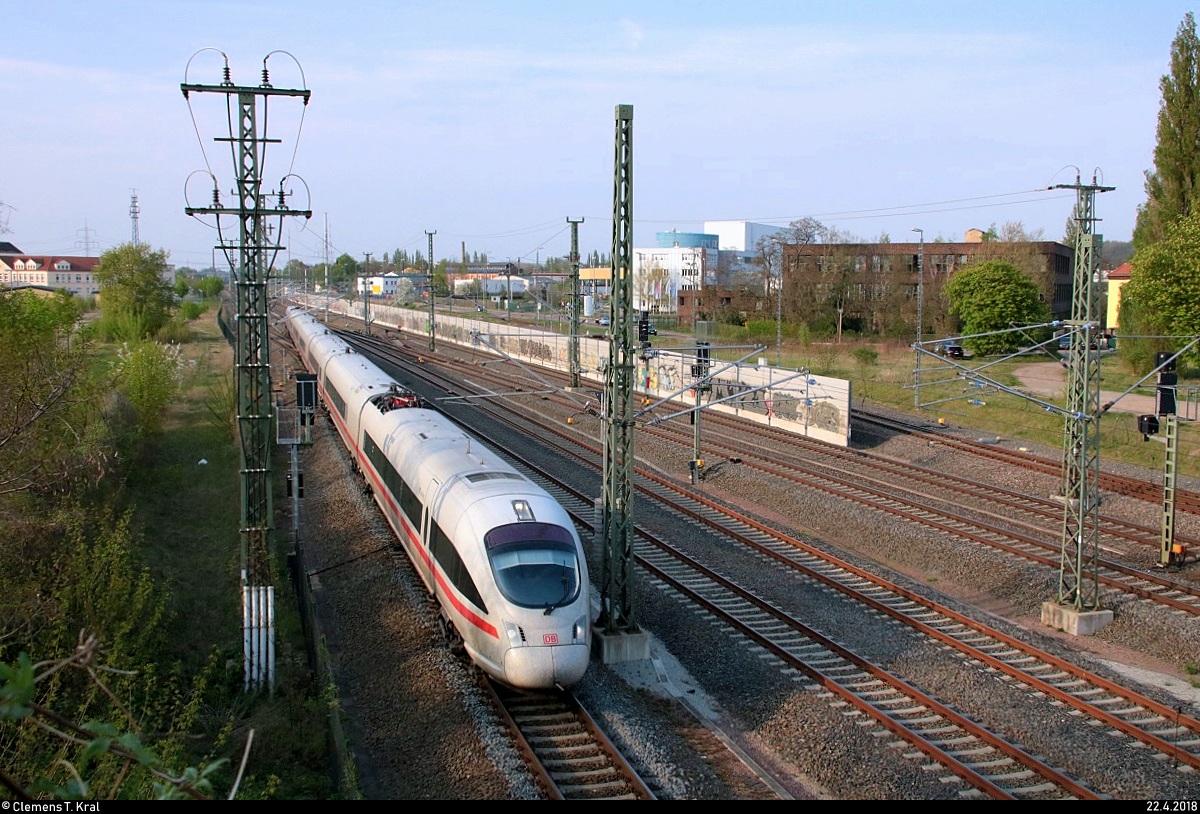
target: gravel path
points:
(1049, 379)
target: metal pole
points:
(431, 302)
(366, 286)
(920, 315)
(617, 573)
(1167, 555)
(573, 335)
(778, 313)
(327, 268)
(1079, 569)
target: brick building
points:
(879, 282)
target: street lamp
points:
(920, 315)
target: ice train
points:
(499, 555)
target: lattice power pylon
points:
(573, 335)
(616, 595)
(256, 251)
(1079, 584)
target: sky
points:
(490, 124)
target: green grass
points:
(189, 513)
(886, 379)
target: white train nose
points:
(540, 667)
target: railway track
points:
(939, 512)
(1185, 501)
(1131, 714)
(892, 489)
(568, 753)
(932, 486)
(989, 764)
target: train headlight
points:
(516, 638)
(579, 631)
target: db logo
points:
(549, 638)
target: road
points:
(1049, 380)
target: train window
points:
(453, 567)
(336, 399)
(410, 504)
(480, 477)
(535, 564)
(374, 453)
(391, 478)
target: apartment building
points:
(72, 274)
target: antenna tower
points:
(134, 211)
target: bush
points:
(174, 332)
(865, 356)
(190, 310)
(148, 374)
(119, 326)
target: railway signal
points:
(1170, 553)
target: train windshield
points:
(535, 564)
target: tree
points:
(133, 282)
(770, 252)
(1172, 186)
(652, 287)
(841, 280)
(148, 373)
(441, 279)
(46, 436)
(344, 269)
(994, 296)
(1162, 296)
(296, 271)
(210, 286)
(1013, 231)
(1013, 244)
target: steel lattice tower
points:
(573, 336)
(134, 212)
(252, 348)
(432, 311)
(1078, 582)
(616, 595)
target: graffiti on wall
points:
(800, 402)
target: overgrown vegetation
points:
(120, 645)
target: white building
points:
(490, 286)
(739, 235)
(660, 275)
(379, 286)
(72, 274)
(686, 261)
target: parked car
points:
(652, 330)
(952, 351)
(1065, 343)
(602, 321)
